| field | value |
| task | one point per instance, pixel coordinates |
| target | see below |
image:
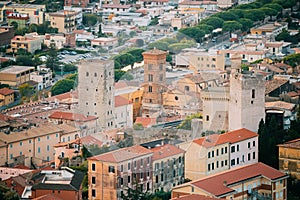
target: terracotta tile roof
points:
(123, 154)
(165, 151)
(295, 144)
(145, 121)
(154, 51)
(115, 6)
(275, 69)
(236, 175)
(71, 116)
(279, 105)
(194, 197)
(229, 137)
(274, 84)
(90, 140)
(121, 101)
(293, 94)
(49, 196)
(274, 44)
(6, 91)
(120, 84)
(68, 97)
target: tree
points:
(206, 28)
(254, 14)
(187, 122)
(269, 11)
(124, 59)
(238, 12)
(25, 60)
(89, 19)
(154, 21)
(230, 26)
(122, 75)
(135, 193)
(193, 32)
(159, 45)
(26, 91)
(274, 6)
(246, 24)
(215, 22)
(62, 86)
(227, 16)
(177, 47)
(7, 193)
(52, 57)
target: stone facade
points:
(154, 81)
(96, 91)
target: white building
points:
(123, 112)
(96, 91)
(78, 12)
(83, 35)
(106, 43)
(43, 76)
(58, 39)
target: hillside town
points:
(150, 100)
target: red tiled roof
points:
(235, 175)
(122, 154)
(6, 91)
(49, 196)
(115, 6)
(120, 84)
(145, 121)
(89, 140)
(64, 96)
(71, 116)
(165, 151)
(194, 197)
(230, 137)
(121, 101)
(280, 105)
(274, 84)
(291, 144)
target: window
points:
(238, 147)
(160, 67)
(93, 193)
(207, 117)
(237, 161)
(162, 177)
(248, 144)
(142, 162)
(217, 152)
(253, 144)
(186, 88)
(225, 149)
(222, 163)
(93, 167)
(48, 137)
(142, 175)
(232, 149)
(208, 167)
(253, 93)
(161, 77)
(128, 179)
(134, 163)
(253, 155)
(30, 141)
(208, 155)
(39, 150)
(156, 179)
(212, 166)
(150, 77)
(150, 89)
(95, 74)
(148, 160)
(150, 66)
(39, 139)
(48, 148)
(232, 162)
(111, 169)
(87, 73)
(93, 180)
(217, 164)
(225, 162)
(121, 168)
(212, 154)
(21, 143)
(128, 166)
(249, 156)
(11, 156)
(222, 151)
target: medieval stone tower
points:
(96, 91)
(247, 98)
(154, 82)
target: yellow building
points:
(35, 12)
(248, 182)
(110, 173)
(133, 93)
(15, 75)
(289, 158)
(34, 145)
(30, 43)
(269, 29)
(64, 20)
(219, 152)
(6, 96)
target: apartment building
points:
(219, 152)
(15, 75)
(6, 34)
(269, 29)
(289, 158)
(168, 167)
(106, 43)
(6, 96)
(199, 60)
(29, 42)
(35, 12)
(34, 145)
(43, 76)
(123, 112)
(64, 20)
(254, 181)
(58, 39)
(110, 173)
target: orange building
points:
(110, 173)
(6, 96)
(289, 158)
(255, 181)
